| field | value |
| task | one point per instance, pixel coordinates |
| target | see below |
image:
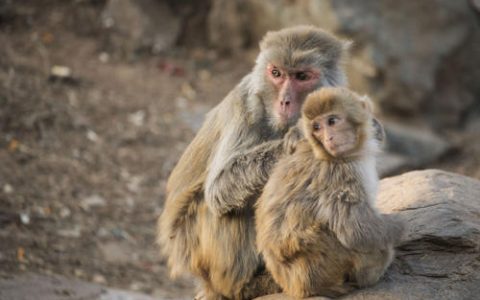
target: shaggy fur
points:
(207, 226)
(317, 227)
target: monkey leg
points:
(261, 284)
(208, 294)
(226, 258)
(369, 267)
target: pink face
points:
(292, 86)
(336, 134)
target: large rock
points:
(418, 58)
(440, 255)
(409, 148)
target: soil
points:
(84, 158)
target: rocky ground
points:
(88, 136)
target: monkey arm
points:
(291, 138)
(360, 227)
(379, 131)
(240, 179)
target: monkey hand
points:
(291, 138)
(379, 131)
(346, 196)
(200, 296)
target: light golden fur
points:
(317, 226)
(207, 224)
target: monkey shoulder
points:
(343, 183)
(295, 180)
(242, 104)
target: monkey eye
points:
(302, 76)
(316, 126)
(332, 120)
(276, 73)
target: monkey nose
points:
(286, 102)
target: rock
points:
(421, 145)
(440, 256)
(41, 287)
(7, 188)
(61, 71)
(418, 58)
(391, 163)
(409, 148)
(74, 232)
(115, 252)
(92, 201)
(141, 24)
(137, 118)
(62, 74)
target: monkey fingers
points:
(291, 139)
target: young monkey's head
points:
(337, 123)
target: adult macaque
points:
(207, 226)
(317, 227)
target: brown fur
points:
(317, 227)
(357, 109)
(207, 224)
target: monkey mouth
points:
(288, 113)
(287, 119)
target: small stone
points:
(181, 102)
(61, 71)
(204, 75)
(136, 286)
(188, 91)
(7, 188)
(133, 184)
(92, 136)
(65, 212)
(92, 201)
(74, 232)
(25, 218)
(98, 278)
(137, 118)
(79, 273)
(104, 57)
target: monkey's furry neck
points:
(354, 173)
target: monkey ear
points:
(345, 52)
(263, 44)
(367, 104)
(347, 45)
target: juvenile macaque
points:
(317, 226)
(207, 227)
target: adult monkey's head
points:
(292, 63)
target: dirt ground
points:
(84, 159)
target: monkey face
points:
(335, 133)
(292, 86)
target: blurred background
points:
(99, 98)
